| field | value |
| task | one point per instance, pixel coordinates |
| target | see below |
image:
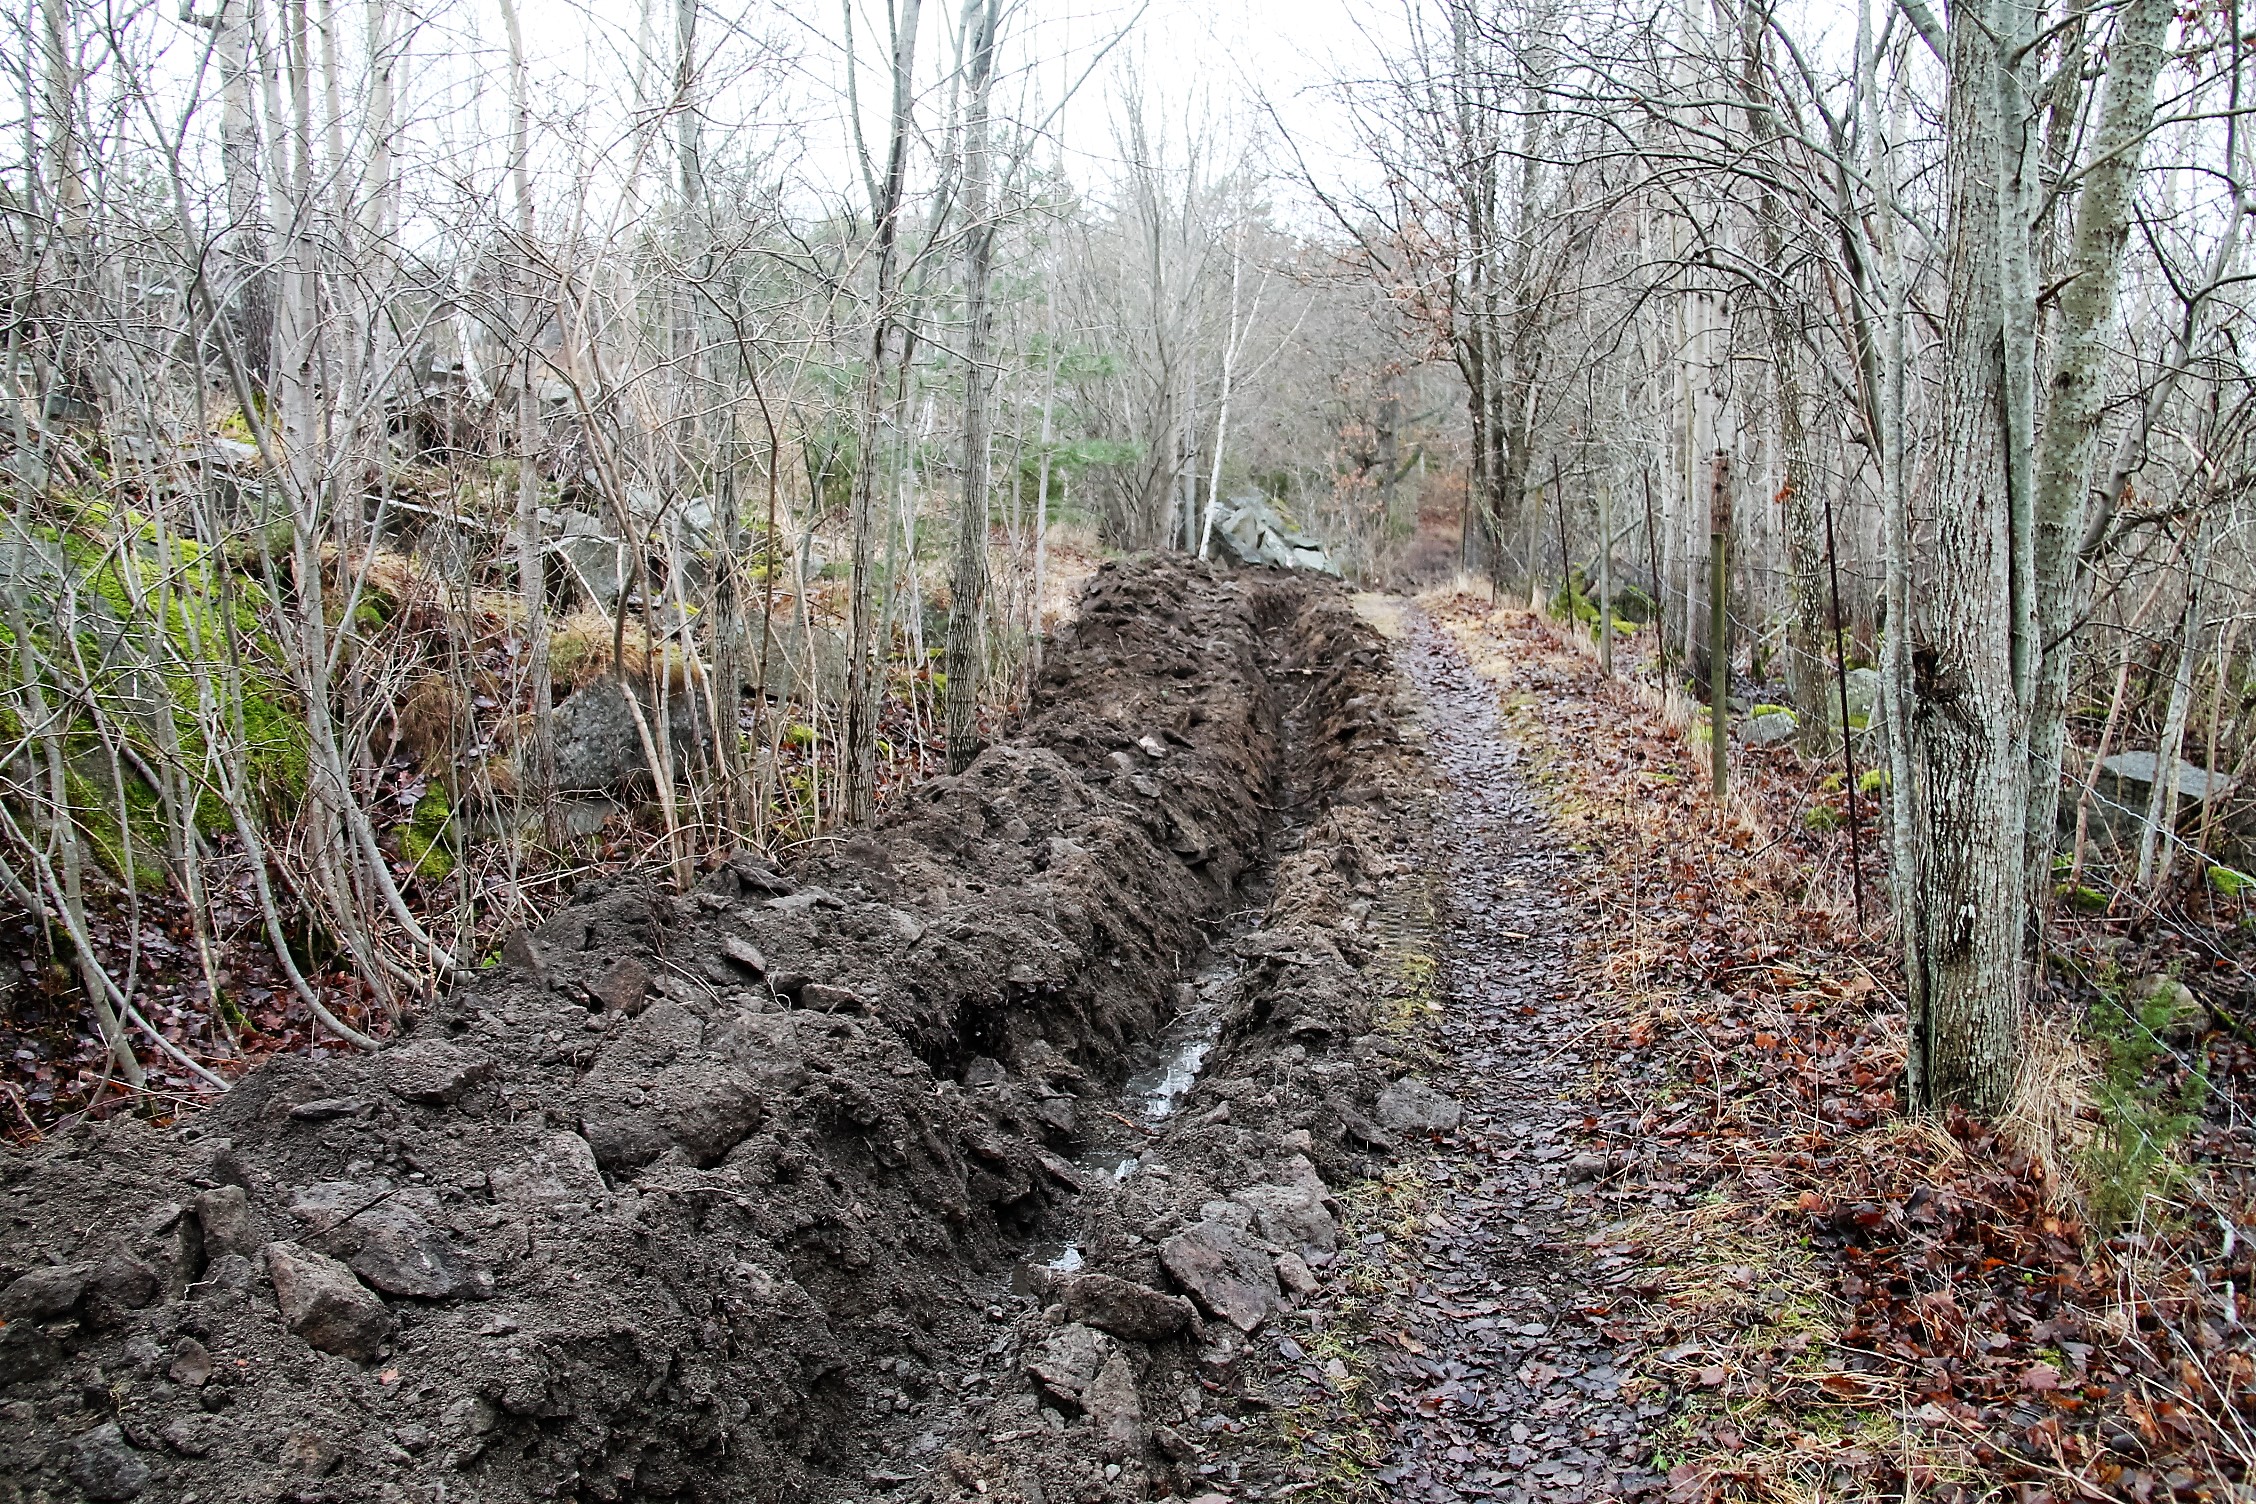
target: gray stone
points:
(1293, 1215)
(471, 1415)
(1250, 527)
(189, 1435)
(224, 1213)
(120, 1279)
(744, 953)
(2180, 1019)
(324, 1109)
(191, 1363)
(591, 555)
(306, 1452)
(1124, 1308)
(1411, 1106)
(2138, 768)
(803, 661)
(1294, 1274)
(432, 1070)
(45, 1294)
(561, 1170)
(1225, 1274)
(623, 988)
(401, 1254)
(1864, 695)
(1116, 1411)
(2123, 787)
(599, 747)
(325, 1304)
(105, 1467)
(1068, 1363)
(1770, 727)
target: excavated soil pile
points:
(718, 1195)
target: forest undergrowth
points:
(1853, 1302)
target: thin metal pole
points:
(1566, 576)
(1719, 661)
(1841, 678)
(1605, 579)
(1660, 586)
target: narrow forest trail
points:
(1504, 1388)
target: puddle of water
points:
(1150, 1096)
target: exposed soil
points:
(763, 1191)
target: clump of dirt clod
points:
(718, 1195)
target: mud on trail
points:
(817, 1183)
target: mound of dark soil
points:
(715, 1195)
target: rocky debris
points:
(1412, 1106)
(324, 1303)
(432, 1070)
(1225, 1274)
(1116, 1410)
(386, 1243)
(1292, 1215)
(1125, 1308)
(191, 1363)
(44, 1294)
(1068, 1363)
(625, 988)
(556, 1174)
(105, 1467)
(223, 1216)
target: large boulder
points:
(2125, 788)
(804, 660)
(599, 748)
(1250, 526)
(1769, 726)
(1864, 696)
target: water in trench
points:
(1165, 1069)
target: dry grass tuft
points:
(579, 653)
(429, 722)
(2054, 1104)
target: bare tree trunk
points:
(1968, 760)
(865, 652)
(536, 776)
(968, 585)
(2158, 832)
(1797, 499)
(2076, 388)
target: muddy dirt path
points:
(1514, 1395)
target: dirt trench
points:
(758, 1191)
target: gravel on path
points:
(1506, 1384)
